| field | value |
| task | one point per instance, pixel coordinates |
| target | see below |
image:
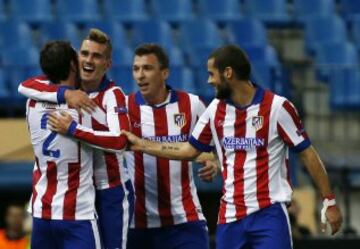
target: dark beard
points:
(223, 93)
(223, 90)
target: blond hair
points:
(98, 36)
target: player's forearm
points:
(316, 169)
(42, 92)
(175, 151)
(99, 139)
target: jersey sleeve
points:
(39, 88)
(201, 137)
(290, 128)
(117, 120)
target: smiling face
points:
(93, 62)
(218, 81)
(150, 77)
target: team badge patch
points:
(180, 119)
(257, 122)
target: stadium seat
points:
(304, 9)
(345, 88)
(4, 91)
(14, 34)
(199, 33)
(182, 78)
(350, 9)
(355, 32)
(20, 64)
(322, 30)
(224, 10)
(2, 11)
(173, 10)
(113, 29)
(125, 10)
(335, 56)
(203, 88)
(247, 32)
(271, 12)
(61, 30)
(78, 11)
(35, 11)
(176, 56)
(155, 31)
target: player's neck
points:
(157, 98)
(90, 86)
(243, 93)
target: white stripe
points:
(125, 225)
(96, 233)
(250, 176)
(288, 221)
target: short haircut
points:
(56, 58)
(234, 57)
(98, 36)
(158, 51)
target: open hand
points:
(59, 122)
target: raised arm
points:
(39, 88)
(106, 133)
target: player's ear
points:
(165, 73)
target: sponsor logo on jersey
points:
(120, 109)
(257, 122)
(180, 119)
(169, 138)
(242, 143)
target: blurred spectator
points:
(298, 231)
(13, 235)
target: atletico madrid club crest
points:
(180, 119)
(257, 122)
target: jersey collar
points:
(105, 82)
(258, 97)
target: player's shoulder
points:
(39, 78)
(182, 94)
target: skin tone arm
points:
(315, 167)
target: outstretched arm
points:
(175, 151)
(315, 167)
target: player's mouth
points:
(143, 85)
(88, 69)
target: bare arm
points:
(315, 167)
(175, 151)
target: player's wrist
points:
(328, 202)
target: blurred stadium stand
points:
(307, 50)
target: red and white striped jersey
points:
(102, 133)
(164, 189)
(62, 178)
(252, 144)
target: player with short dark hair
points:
(252, 130)
(63, 196)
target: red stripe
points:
(32, 103)
(51, 175)
(284, 136)
(112, 169)
(239, 161)
(295, 117)
(99, 100)
(34, 84)
(219, 121)
(184, 105)
(35, 179)
(163, 170)
(73, 186)
(288, 172)
(262, 155)
(139, 178)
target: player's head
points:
(150, 69)
(57, 60)
(15, 216)
(225, 64)
(95, 56)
